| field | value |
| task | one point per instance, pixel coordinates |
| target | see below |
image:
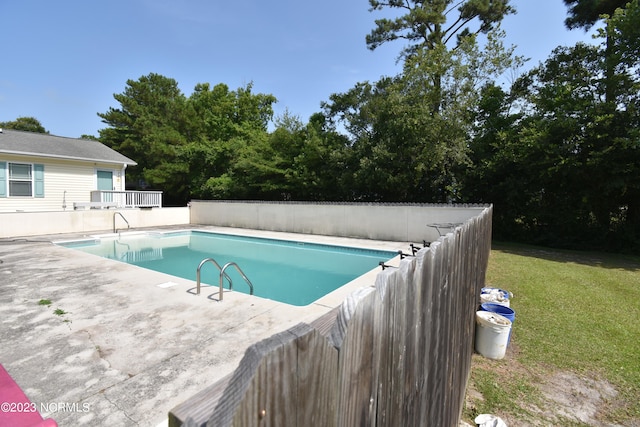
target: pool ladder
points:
(115, 230)
(223, 275)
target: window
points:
(20, 179)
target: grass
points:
(576, 312)
(58, 311)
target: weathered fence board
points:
(391, 329)
(396, 353)
(281, 381)
(358, 362)
(318, 373)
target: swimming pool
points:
(296, 273)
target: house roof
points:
(45, 145)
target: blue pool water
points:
(292, 272)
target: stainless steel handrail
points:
(246, 279)
(114, 221)
(203, 262)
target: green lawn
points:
(577, 312)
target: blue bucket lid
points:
(497, 308)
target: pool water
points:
(292, 272)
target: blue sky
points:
(62, 61)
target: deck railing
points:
(128, 199)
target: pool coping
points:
(132, 354)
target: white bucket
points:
(495, 295)
(492, 334)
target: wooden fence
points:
(394, 354)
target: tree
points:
(150, 126)
(407, 149)
(500, 171)
(624, 28)
(229, 127)
(28, 124)
(585, 13)
(430, 26)
(410, 134)
(620, 58)
(189, 147)
(224, 114)
(322, 166)
(561, 168)
(294, 162)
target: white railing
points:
(127, 199)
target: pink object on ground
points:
(16, 409)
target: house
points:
(41, 172)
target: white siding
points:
(65, 182)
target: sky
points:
(62, 61)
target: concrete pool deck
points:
(122, 345)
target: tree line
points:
(556, 150)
